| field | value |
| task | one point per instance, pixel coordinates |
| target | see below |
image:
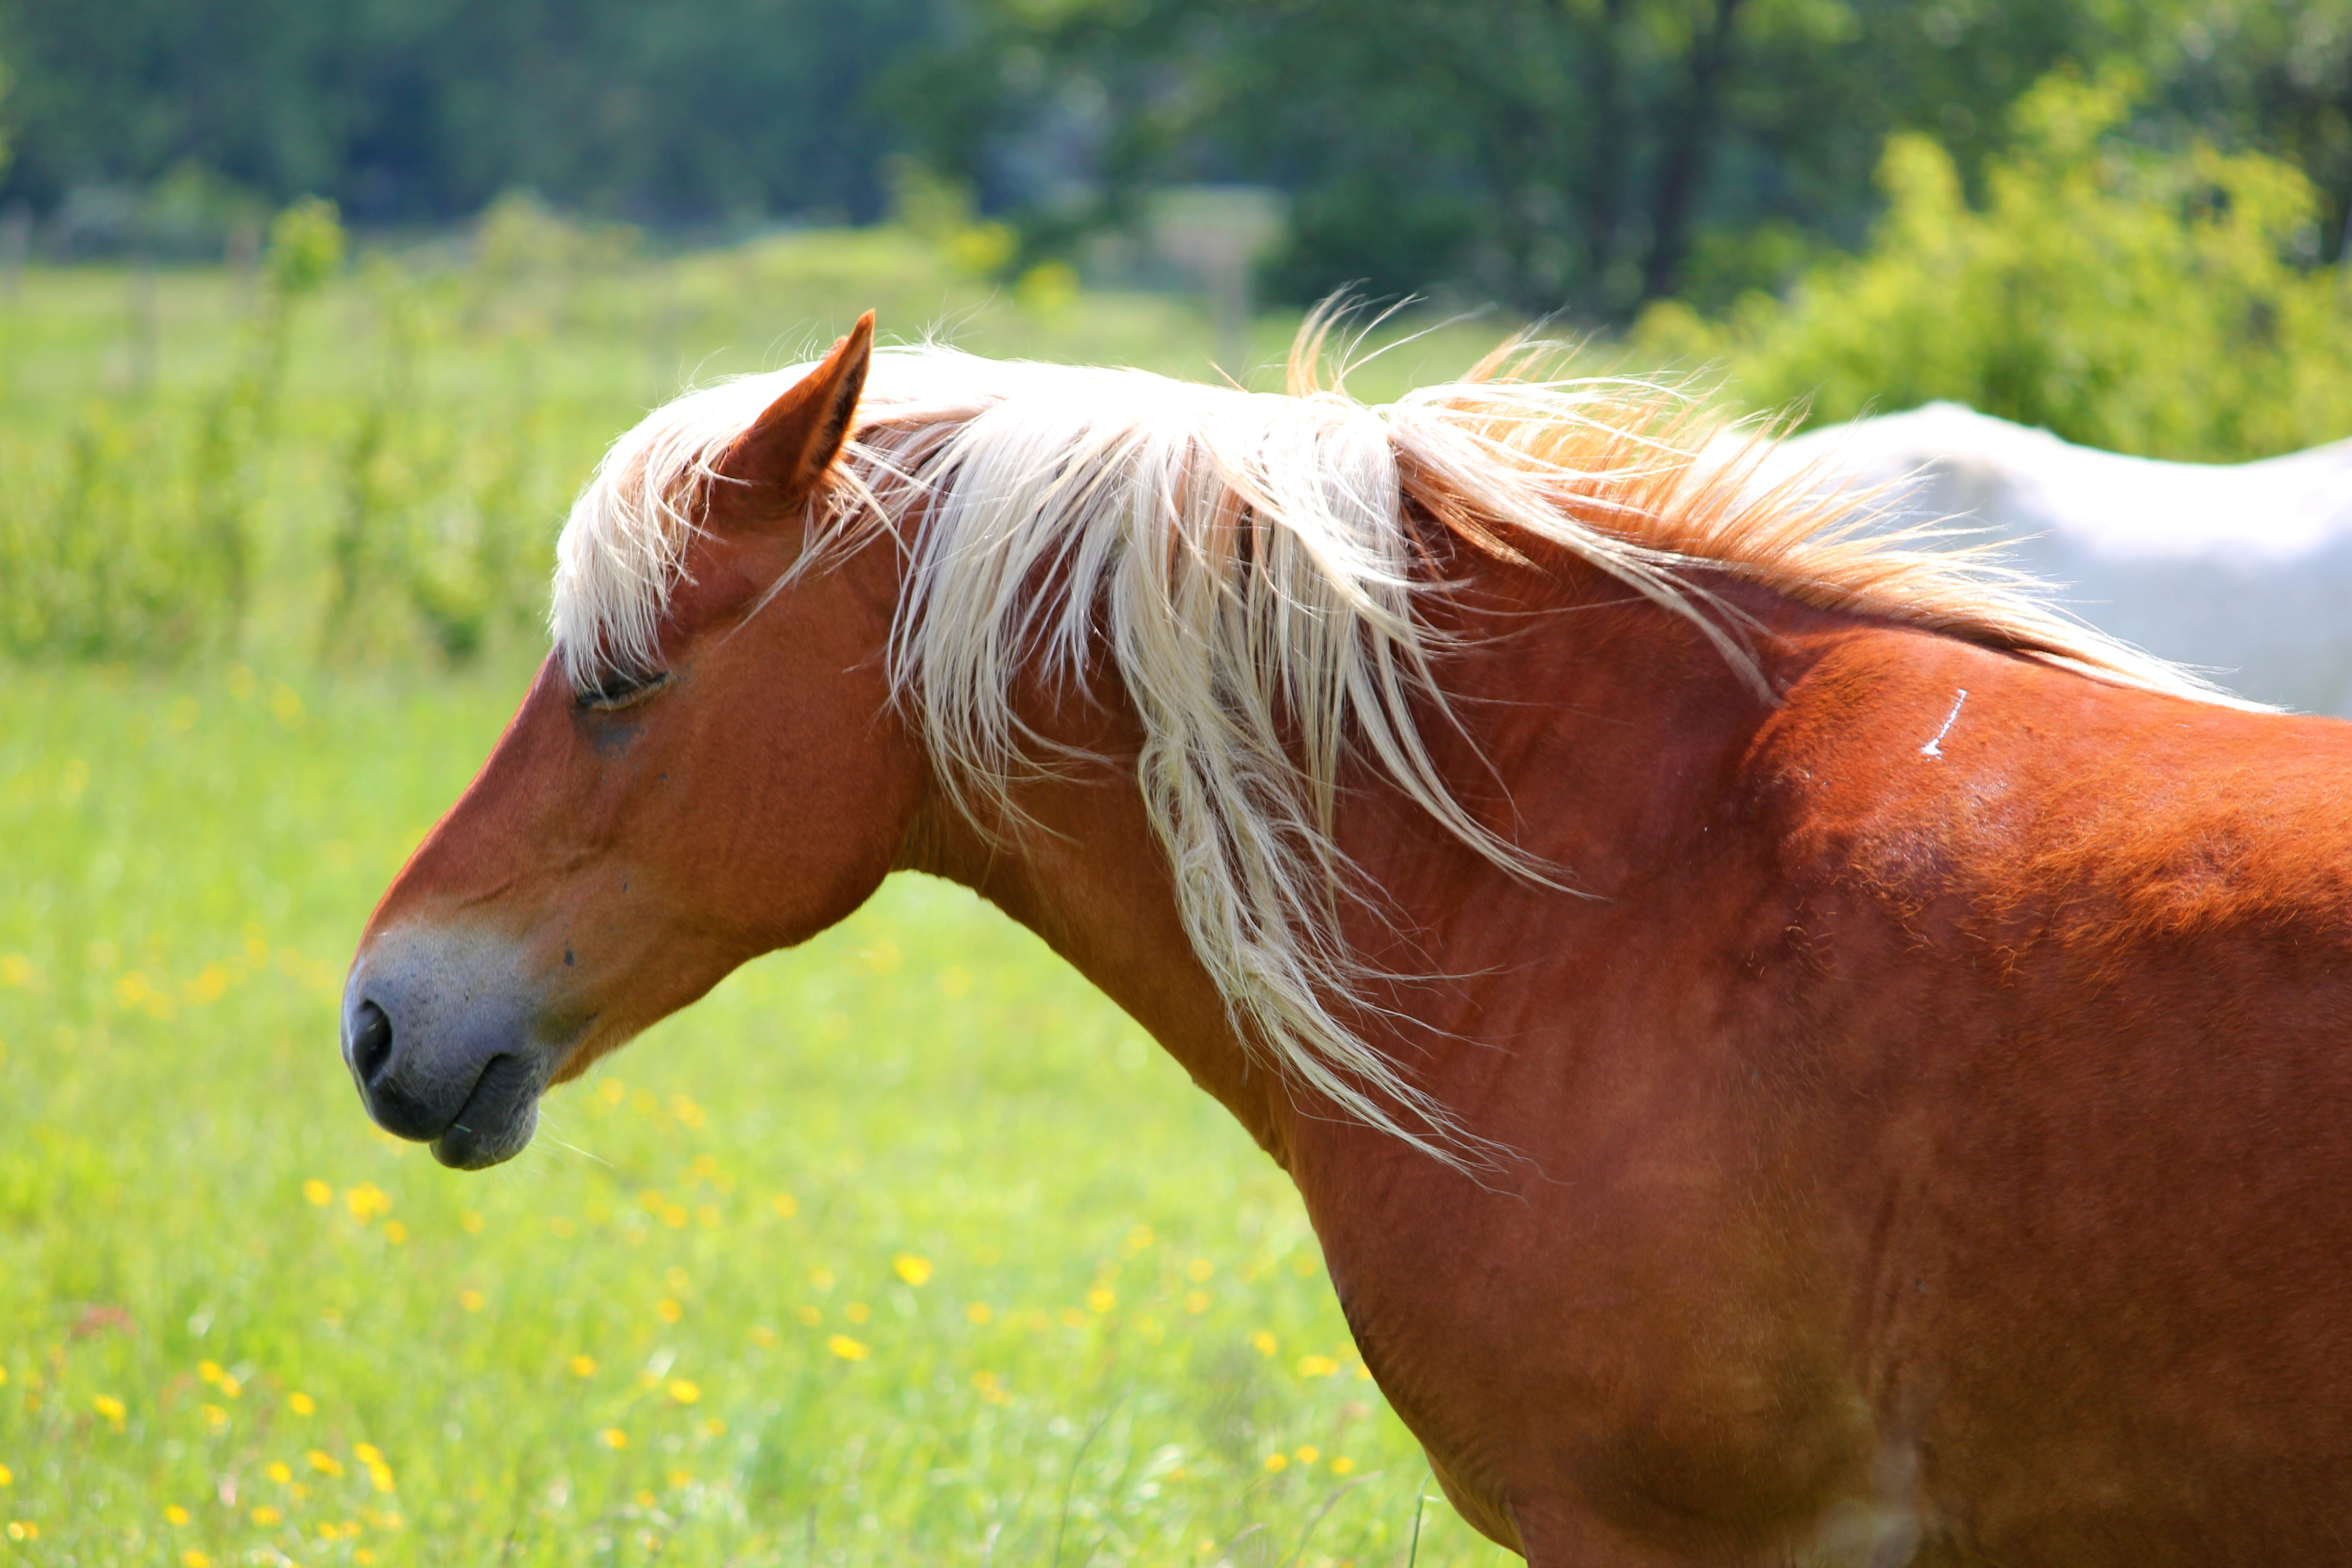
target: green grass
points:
(1118, 1320)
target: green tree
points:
(1590, 153)
(2122, 297)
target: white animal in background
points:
(2243, 571)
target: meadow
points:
(904, 1246)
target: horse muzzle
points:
(446, 1038)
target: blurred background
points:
(904, 1246)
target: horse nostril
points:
(371, 1042)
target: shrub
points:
(2119, 297)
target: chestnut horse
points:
(1792, 1050)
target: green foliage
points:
(369, 464)
(903, 1247)
(2121, 298)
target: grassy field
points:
(904, 1247)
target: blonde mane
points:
(1246, 563)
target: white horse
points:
(2242, 570)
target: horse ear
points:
(788, 448)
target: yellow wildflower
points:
(106, 1405)
(1317, 1366)
(1196, 1302)
(471, 1223)
(613, 1438)
(846, 1348)
(175, 1514)
(913, 1269)
(857, 1312)
(1266, 1344)
(7, 1477)
(318, 1192)
(979, 1311)
(667, 1310)
(210, 1371)
(192, 1558)
(301, 1403)
(1101, 1299)
(326, 1464)
(367, 1454)
(265, 1515)
(1199, 1270)
(583, 1366)
(1307, 1453)
(470, 1299)
(785, 1205)
(682, 1391)
(809, 1315)
(277, 1471)
(1277, 1462)
(1342, 1464)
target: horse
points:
(1793, 1048)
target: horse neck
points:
(1545, 667)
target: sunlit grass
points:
(905, 1247)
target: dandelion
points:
(1073, 1318)
(210, 1371)
(820, 1278)
(231, 1386)
(22, 1530)
(1317, 1366)
(7, 1477)
(1101, 1299)
(106, 1405)
(364, 1557)
(175, 1514)
(277, 1471)
(857, 1312)
(613, 1438)
(1277, 1462)
(1307, 1453)
(583, 1366)
(265, 1515)
(714, 1427)
(846, 1348)
(762, 1335)
(301, 1403)
(674, 1216)
(611, 1091)
(667, 1310)
(913, 1269)
(677, 1280)
(366, 1201)
(15, 968)
(214, 1417)
(810, 1315)
(318, 1192)
(979, 1311)
(1342, 1464)
(707, 1215)
(1266, 1343)
(1196, 1302)
(682, 1391)
(1199, 1270)
(192, 1558)
(395, 1232)
(471, 1223)
(785, 1205)
(470, 1299)
(326, 1464)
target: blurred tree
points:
(2123, 298)
(1582, 153)
(2275, 75)
(404, 109)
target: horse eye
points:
(622, 688)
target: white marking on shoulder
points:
(1935, 748)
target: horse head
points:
(654, 816)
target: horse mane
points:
(1248, 564)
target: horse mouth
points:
(497, 1118)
